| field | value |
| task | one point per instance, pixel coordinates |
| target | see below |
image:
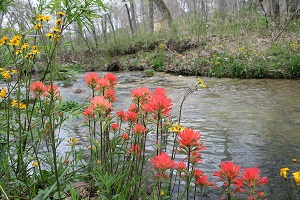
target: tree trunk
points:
(129, 19)
(151, 9)
(276, 12)
(133, 16)
(112, 26)
(293, 7)
(222, 8)
(104, 28)
(163, 9)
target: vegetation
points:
(116, 164)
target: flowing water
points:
(251, 122)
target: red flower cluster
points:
(251, 180)
(201, 179)
(189, 138)
(228, 171)
(162, 162)
(40, 89)
(159, 103)
(138, 128)
(101, 105)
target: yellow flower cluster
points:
(6, 74)
(294, 44)
(200, 82)
(72, 141)
(3, 92)
(3, 40)
(55, 33)
(283, 172)
(35, 164)
(297, 177)
(15, 41)
(34, 51)
(17, 104)
(176, 128)
(43, 18)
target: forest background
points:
(221, 38)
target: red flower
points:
(132, 108)
(134, 149)
(88, 113)
(141, 95)
(113, 80)
(250, 178)
(51, 90)
(91, 79)
(197, 173)
(121, 115)
(162, 162)
(110, 94)
(125, 136)
(37, 88)
(228, 171)
(202, 181)
(138, 128)
(159, 104)
(180, 166)
(189, 138)
(102, 85)
(114, 127)
(131, 116)
(195, 157)
(100, 105)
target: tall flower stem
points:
(188, 174)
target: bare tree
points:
(163, 9)
(151, 9)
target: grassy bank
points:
(243, 48)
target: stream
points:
(253, 122)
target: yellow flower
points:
(72, 141)
(56, 38)
(47, 18)
(294, 44)
(19, 51)
(218, 63)
(294, 160)
(1, 69)
(59, 22)
(49, 35)
(6, 74)
(24, 46)
(15, 103)
(56, 30)
(3, 40)
(40, 17)
(37, 26)
(35, 164)
(22, 105)
(14, 71)
(175, 128)
(283, 172)
(89, 147)
(200, 82)
(297, 177)
(61, 14)
(161, 46)
(15, 41)
(3, 92)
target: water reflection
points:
(252, 122)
